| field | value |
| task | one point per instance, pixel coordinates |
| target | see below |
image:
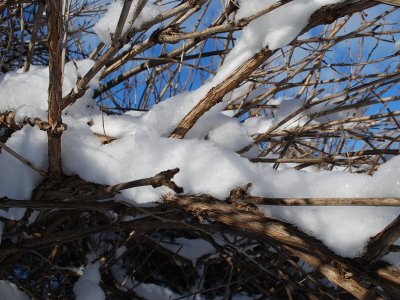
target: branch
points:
(215, 95)
(379, 245)
(31, 47)
(82, 85)
(161, 179)
(73, 235)
(76, 189)
(7, 119)
(390, 2)
(7, 3)
(55, 40)
(322, 201)
(312, 251)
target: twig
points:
(161, 179)
(322, 201)
(31, 47)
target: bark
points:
(249, 221)
(390, 2)
(379, 245)
(55, 40)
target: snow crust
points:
(206, 157)
(87, 287)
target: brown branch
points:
(82, 84)
(72, 235)
(215, 95)
(379, 245)
(173, 35)
(161, 179)
(312, 251)
(6, 203)
(322, 201)
(76, 189)
(150, 63)
(7, 119)
(389, 2)
(6, 3)
(31, 47)
(55, 40)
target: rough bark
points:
(247, 220)
(55, 39)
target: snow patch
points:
(87, 287)
(9, 291)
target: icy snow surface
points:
(210, 165)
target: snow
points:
(257, 125)
(9, 291)
(32, 86)
(153, 291)
(274, 29)
(106, 26)
(206, 157)
(230, 135)
(87, 286)
(17, 87)
(207, 166)
(17, 181)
